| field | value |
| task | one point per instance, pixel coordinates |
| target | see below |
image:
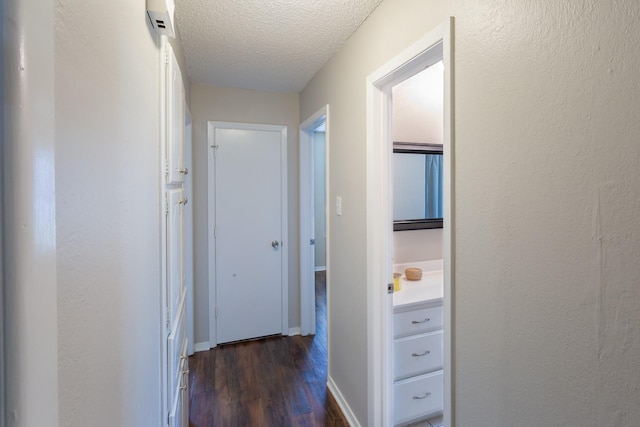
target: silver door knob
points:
(275, 244)
(184, 171)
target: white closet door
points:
(175, 251)
(175, 120)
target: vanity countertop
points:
(428, 289)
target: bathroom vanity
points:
(417, 344)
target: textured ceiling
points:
(272, 45)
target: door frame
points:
(211, 219)
(436, 44)
(188, 227)
(307, 251)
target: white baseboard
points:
(294, 331)
(201, 346)
(342, 403)
(321, 268)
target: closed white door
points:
(175, 169)
(248, 176)
(175, 251)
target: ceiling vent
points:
(161, 15)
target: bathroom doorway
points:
(430, 49)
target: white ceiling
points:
(271, 45)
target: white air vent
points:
(161, 14)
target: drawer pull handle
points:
(427, 394)
(421, 354)
(415, 322)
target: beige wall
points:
(546, 323)
(417, 245)
(547, 200)
(341, 84)
(249, 106)
(417, 109)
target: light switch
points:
(338, 205)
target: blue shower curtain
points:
(433, 189)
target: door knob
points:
(275, 244)
(184, 171)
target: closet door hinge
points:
(166, 321)
(389, 288)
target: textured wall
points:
(547, 324)
(107, 214)
(248, 106)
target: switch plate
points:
(338, 205)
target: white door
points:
(175, 251)
(175, 168)
(250, 218)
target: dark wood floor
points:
(272, 382)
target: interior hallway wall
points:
(107, 159)
(547, 156)
(392, 27)
(28, 205)
(213, 103)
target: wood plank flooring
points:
(272, 382)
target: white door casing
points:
(434, 46)
(188, 229)
(248, 251)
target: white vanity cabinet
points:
(417, 349)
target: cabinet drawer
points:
(179, 415)
(417, 321)
(417, 354)
(177, 347)
(417, 397)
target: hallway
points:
(277, 381)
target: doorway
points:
(431, 48)
(247, 230)
(314, 244)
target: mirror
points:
(417, 187)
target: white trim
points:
(294, 331)
(426, 51)
(321, 268)
(342, 403)
(211, 125)
(448, 247)
(188, 228)
(307, 251)
(164, 349)
(201, 346)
